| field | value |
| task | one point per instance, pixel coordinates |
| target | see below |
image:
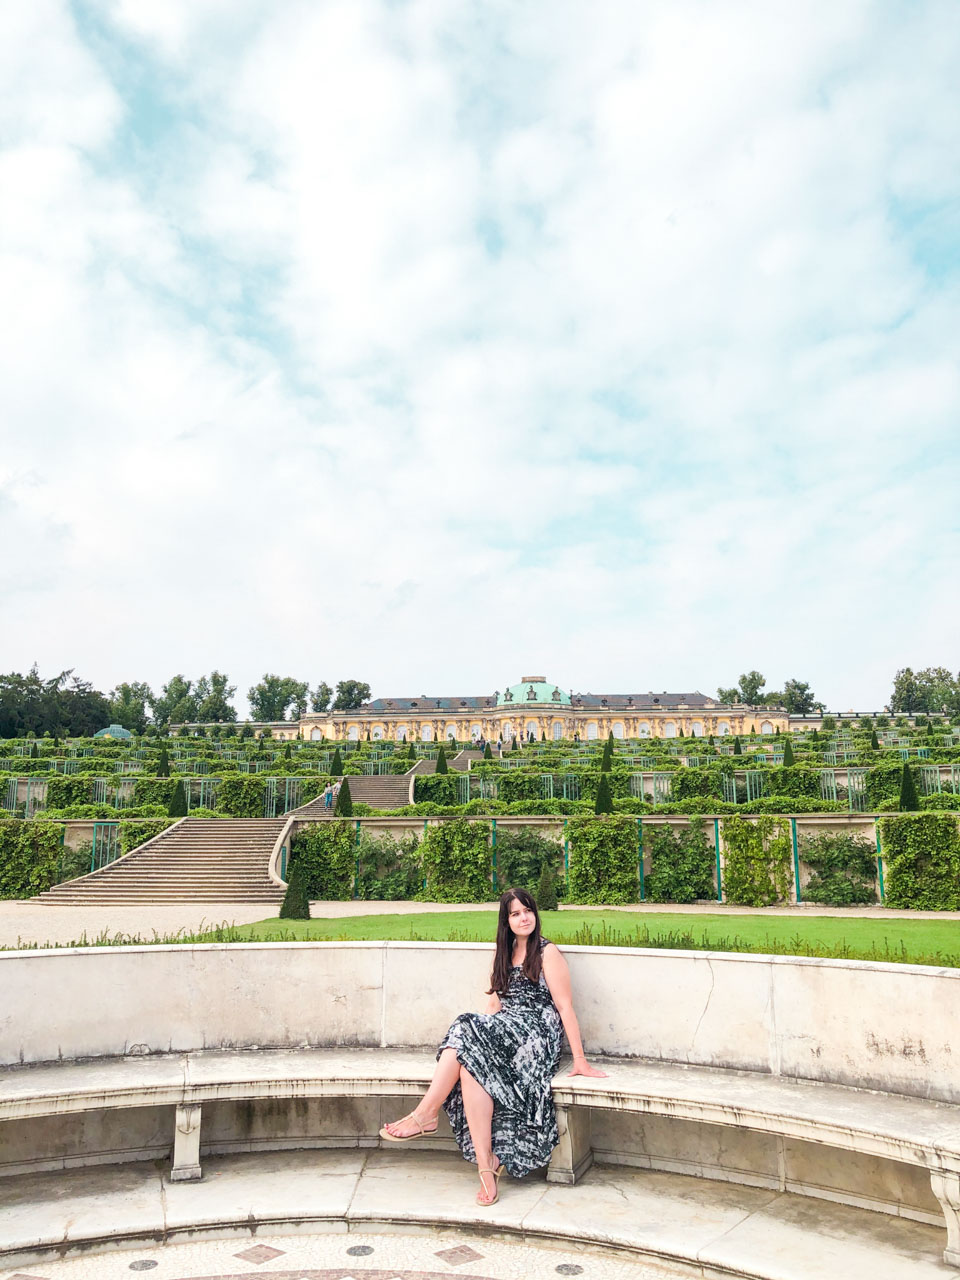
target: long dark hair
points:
(503, 957)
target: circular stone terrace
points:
(217, 1116)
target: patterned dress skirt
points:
(514, 1056)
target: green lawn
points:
(911, 941)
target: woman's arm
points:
(493, 1003)
(557, 976)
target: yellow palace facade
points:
(538, 707)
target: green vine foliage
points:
(30, 857)
(844, 869)
(603, 860)
(682, 863)
(523, 855)
(457, 862)
(390, 870)
(134, 834)
(921, 854)
(326, 853)
(756, 861)
(243, 796)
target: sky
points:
(437, 344)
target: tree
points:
(344, 801)
(874, 741)
(604, 802)
(751, 685)
(177, 808)
(320, 698)
(177, 703)
(828, 724)
(128, 705)
(909, 801)
(336, 764)
(163, 764)
(737, 749)
(213, 694)
(288, 753)
(270, 698)
(296, 901)
(350, 695)
(731, 694)
(606, 760)
(487, 752)
(441, 760)
(788, 756)
(547, 888)
(798, 698)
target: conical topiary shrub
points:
(177, 808)
(288, 752)
(296, 903)
(737, 749)
(909, 800)
(874, 741)
(788, 757)
(606, 760)
(487, 752)
(163, 764)
(604, 802)
(547, 888)
(344, 807)
(336, 764)
(442, 761)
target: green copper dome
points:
(534, 691)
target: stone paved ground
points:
(27, 922)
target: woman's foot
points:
(410, 1126)
(489, 1186)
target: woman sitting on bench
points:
(494, 1069)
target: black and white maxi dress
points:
(513, 1055)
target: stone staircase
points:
(198, 860)
(383, 791)
(458, 763)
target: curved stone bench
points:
(834, 1079)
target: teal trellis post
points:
(63, 833)
(356, 864)
(796, 859)
(493, 853)
(640, 857)
(566, 851)
(716, 845)
(283, 862)
(876, 831)
(424, 836)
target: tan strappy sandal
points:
(424, 1133)
(486, 1204)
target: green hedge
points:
(327, 853)
(682, 862)
(133, 834)
(756, 861)
(844, 869)
(921, 855)
(31, 854)
(522, 855)
(456, 859)
(603, 860)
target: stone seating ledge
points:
(912, 1130)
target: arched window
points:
(353, 733)
(696, 729)
(402, 733)
(316, 735)
(475, 731)
(643, 729)
(531, 727)
(557, 730)
(723, 728)
(452, 731)
(592, 730)
(669, 729)
(766, 727)
(426, 733)
(618, 728)
(377, 732)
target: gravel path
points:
(26, 922)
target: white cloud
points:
(447, 341)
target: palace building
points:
(540, 707)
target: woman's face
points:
(521, 919)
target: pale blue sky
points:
(433, 344)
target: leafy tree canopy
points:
(64, 705)
(128, 705)
(320, 698)
(930, 689)
(275, 695)
(350, 695)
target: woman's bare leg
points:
(445, 1075)
(478, 1105)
